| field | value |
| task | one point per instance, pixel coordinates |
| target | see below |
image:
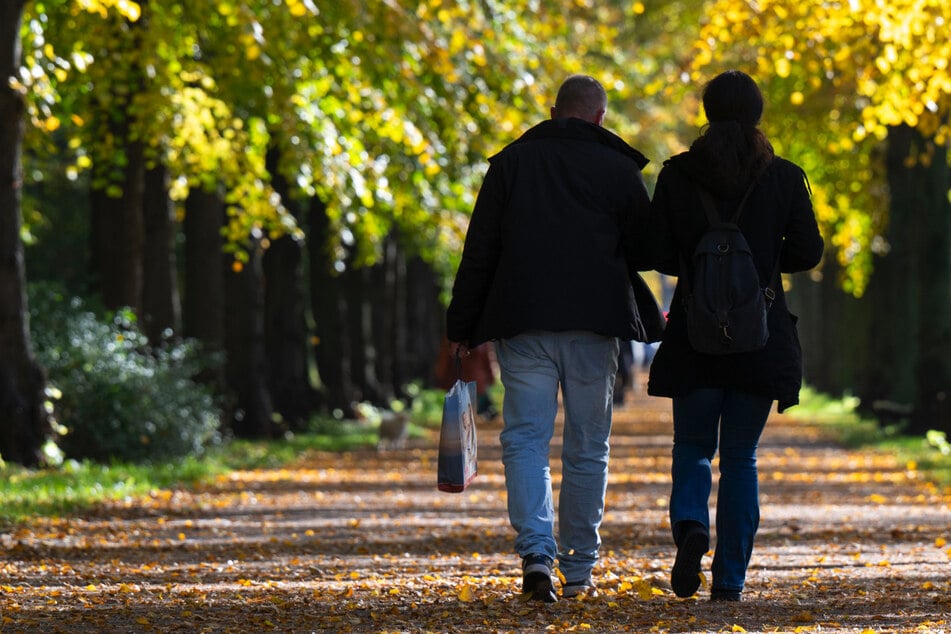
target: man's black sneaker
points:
(537, 584)
(685, 576)
(725, 595)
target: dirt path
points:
(850, 542)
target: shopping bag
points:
(457, 464)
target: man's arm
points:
(480, 257)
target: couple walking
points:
(560, 229)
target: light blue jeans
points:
(736, 419)
(533, 365)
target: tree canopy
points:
(387, 111)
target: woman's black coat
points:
(778, 219)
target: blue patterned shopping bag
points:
(457, 438)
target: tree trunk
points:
(362, 351)
(804, 300)
(382, 304)
(888, 388)
(203, 307)
(837, 351)
(331, 323)
(117, 235)
(425, 321)
(401, 338)
(245, 359)
(285, 325)
(24, 423)
(161, 309)
(933, 369)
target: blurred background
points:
(242, 219)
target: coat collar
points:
(579, 129)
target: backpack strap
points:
(714, 220)
(710, 208)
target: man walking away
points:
(549, 271)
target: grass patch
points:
(838, 416)
(74, 485)
(929, 454)
(78, 485)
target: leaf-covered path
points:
(363, 542)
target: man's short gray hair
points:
(581, 96)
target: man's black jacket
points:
(556, 239)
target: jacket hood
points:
(578, 129)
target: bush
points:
(117, 398)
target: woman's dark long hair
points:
(731, 146)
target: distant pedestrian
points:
(547, 271)
(625, 372)
(724, 400)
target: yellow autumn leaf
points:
(737, 628)
(940, 542)
(644, 590)
(465, 594)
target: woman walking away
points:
(724, 399)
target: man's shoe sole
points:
(536, 581)
(685, 576)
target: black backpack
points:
(726, 305)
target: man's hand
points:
(459, 349)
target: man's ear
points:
(553, 113)
(599, 119)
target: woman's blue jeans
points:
(533, 365)
(736, 419)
